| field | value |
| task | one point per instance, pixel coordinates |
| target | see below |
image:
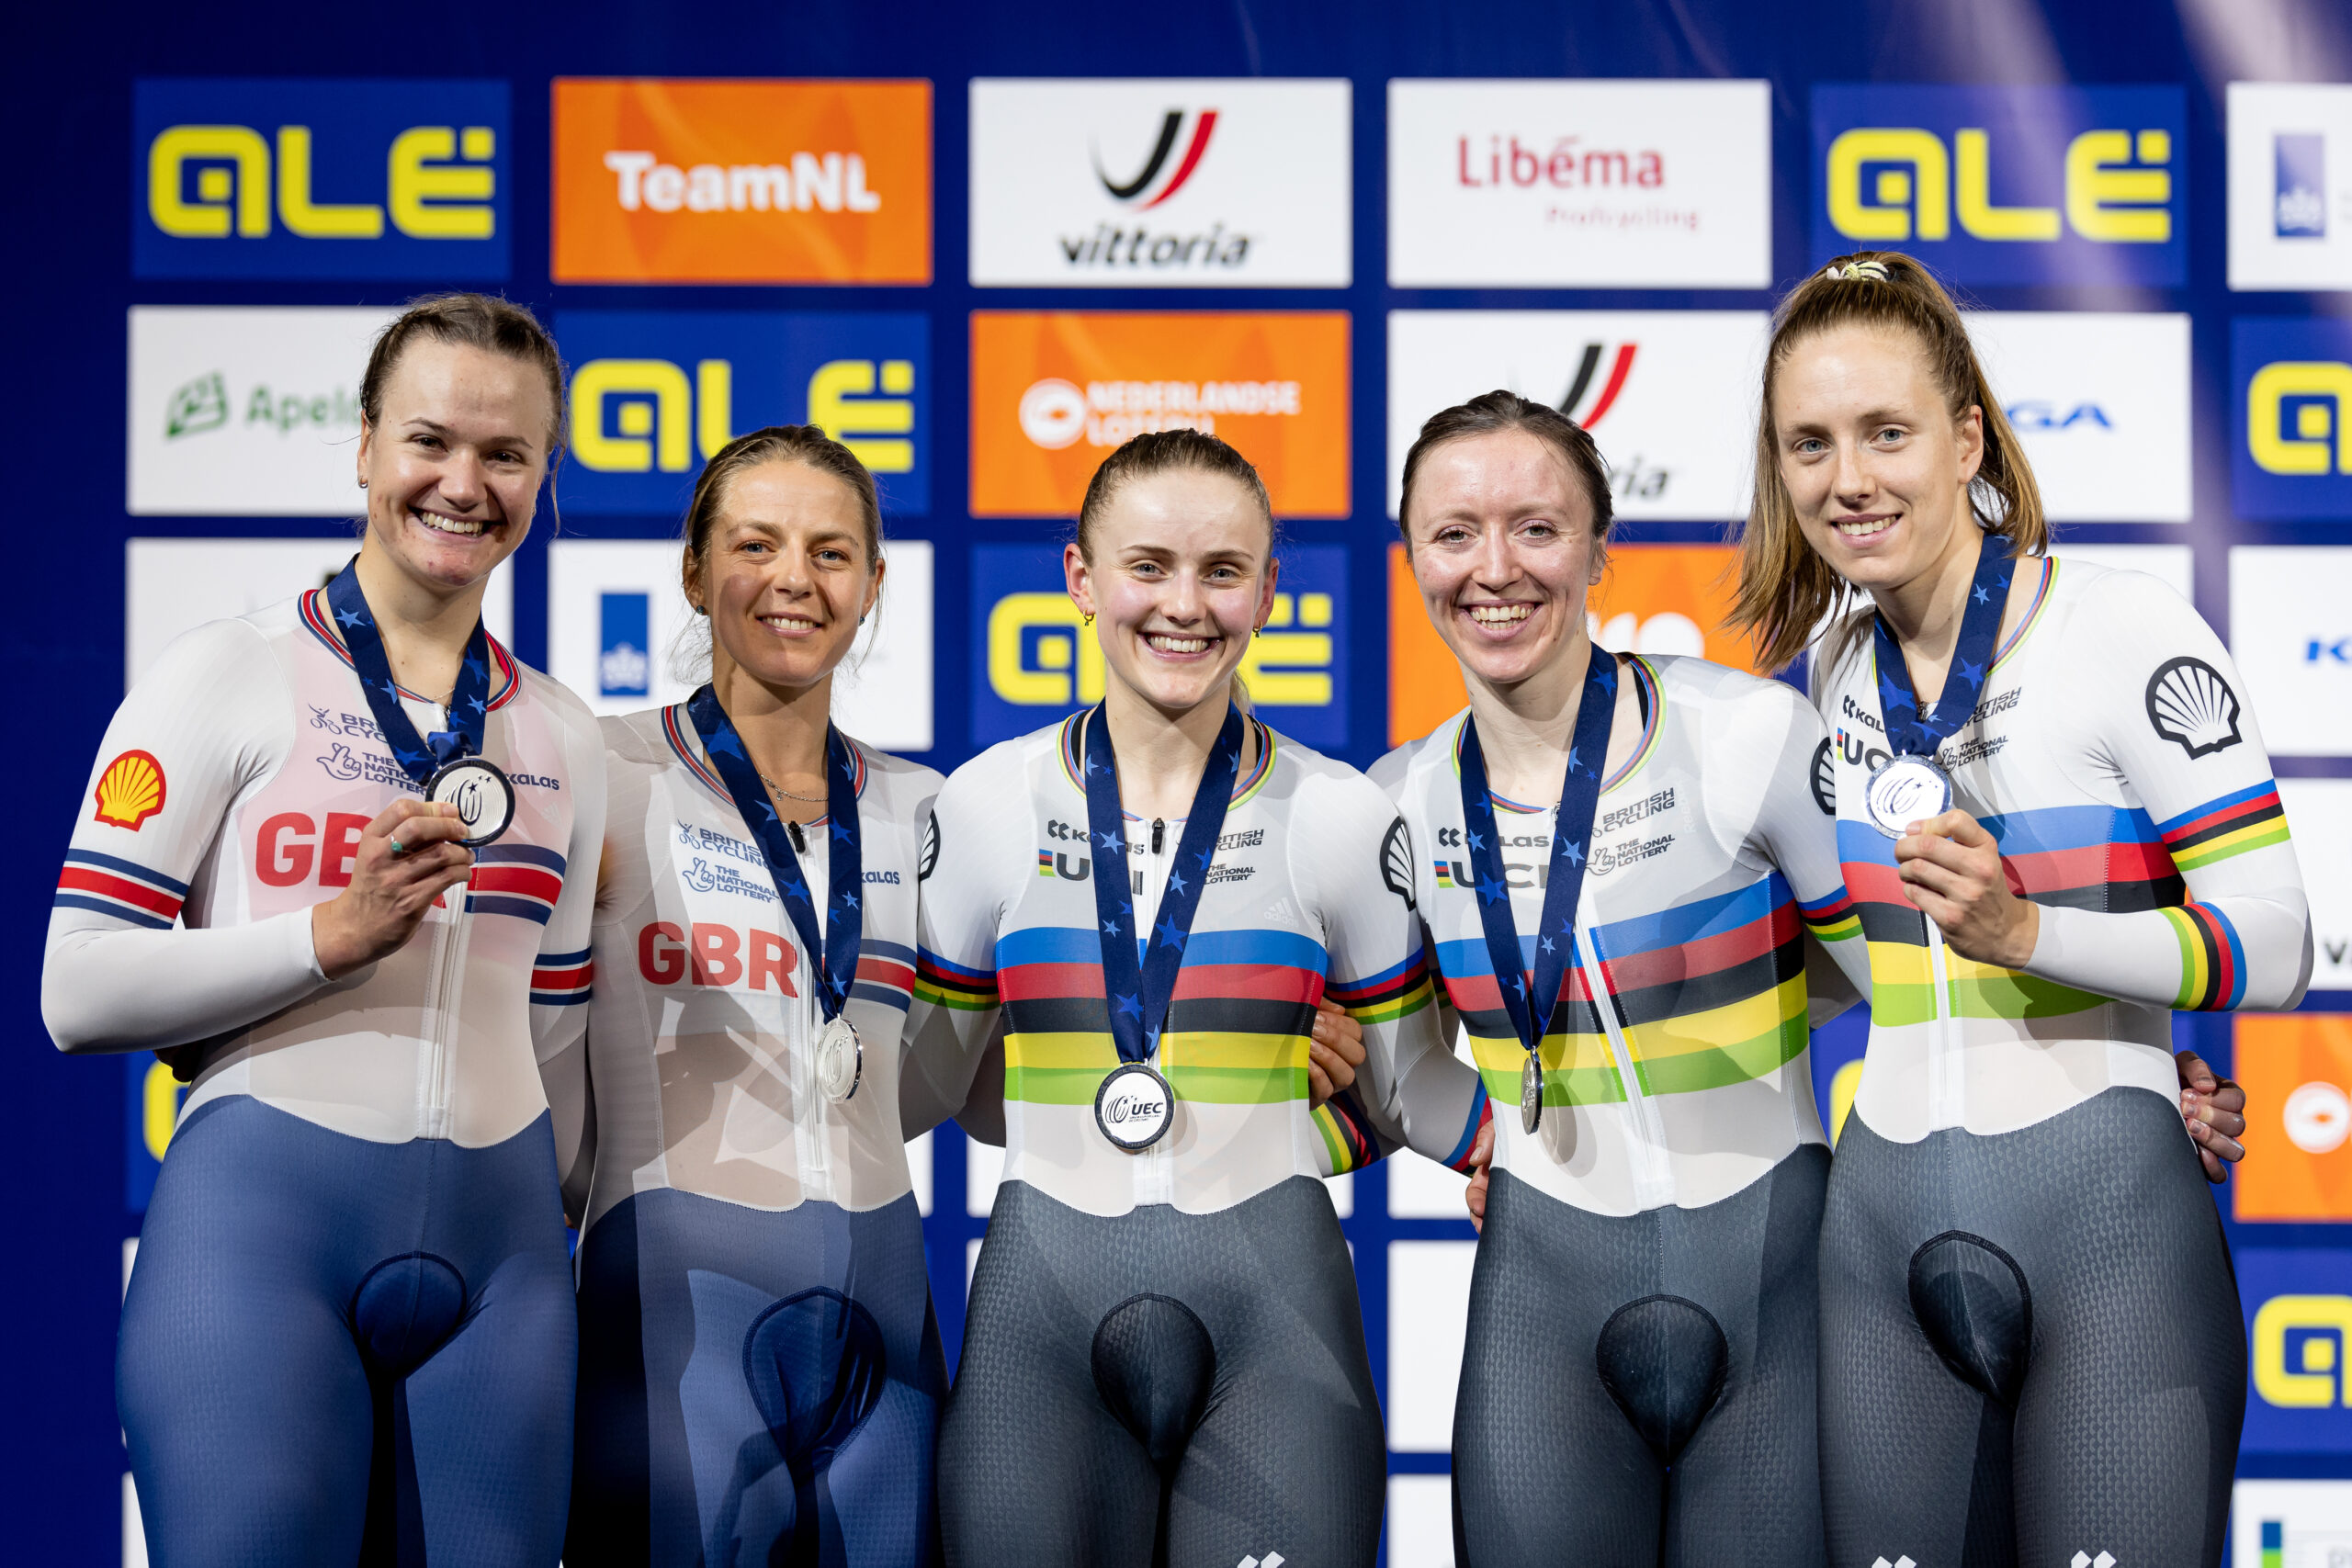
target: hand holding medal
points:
(1950, 866)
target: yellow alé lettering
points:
(2108, 201)
(315, 220)
(1069, 642)
(1974, 194)
(432, 198)
(159, 1108)
(207, 217)
(2307, 450)
(1302, 660)
(2319, 1380)
(839, 404)
(1886, 212)
(714, 406)
(654, 399)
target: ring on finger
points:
(399, 848)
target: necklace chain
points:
(779, 789)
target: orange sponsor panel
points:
(1054, 392)
(1653, 599)
(676, 181)
(2297, 1069)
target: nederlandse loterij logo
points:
(677, 181)
(1123, 183)
(311, 178)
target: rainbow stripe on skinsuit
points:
(1708, 994)
(2222, 830)
(1238, 1026)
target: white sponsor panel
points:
(620, 635)
(1429, 1311)
(2290, 186)
(2172, 565)
(1667, 395)
(176, 585)
(1120, 184)
(2100, 401)
(1420, 1189)
(2290, 632)
(2319, 816)
(1420, 1521)
(1579, 184)
(2307, 1524)
(243, 411)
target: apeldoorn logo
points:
(676, 181)
(1117, 183)
(2290, 186)
(1642, 185)
(1646, 383)
(247, 410)
(2291, 612)
(2100, 401)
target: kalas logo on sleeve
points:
(1642, 185)
(678, 181)
(2293, 455)
(1649, 384)
(2290, 186)
(311, 178)
(1053, 394)
(1035, 660)
(657, 393)
(1120, 182)
(2007, 185)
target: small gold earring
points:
(1086, 617)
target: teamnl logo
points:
(258, 178)
(655, 394)
(1127, 181)
(2007, 185)
(1038, 659)
(2293, 455)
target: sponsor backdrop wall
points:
(984, 244)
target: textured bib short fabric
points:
(1637, 1377)
(2031, 1348)
(348, 1335)
(760, 1373)
(1163, 1359)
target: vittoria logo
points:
(1114, 183)
(1621, 364)
(130, 791)
(1141, 187)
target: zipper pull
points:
(1158, 828)
(799, 842)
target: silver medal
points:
(483, 794)
(1904, 790)
(1134, 1107)
(1531, 1094)
(840, 1059)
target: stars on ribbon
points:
(1111, 841)
(1576, 765)
(477, 705)
(1110, 928)
(1167, 932)
(1982, 596)
(771, 814)
(476, 667)
(1202, 859)
(1490, 890)
(796, 888)
(841, 833)
(724, 743)
(1973, 675)
(1092, 767)
(850, 900)
(1176, 883)
(1477, 843)
(350, 618)
(1545, 942)
(1130, 1006)
(411, 759)
(389, 688)
(1573, 852)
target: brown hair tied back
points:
(1160, 452)
(474, 321)
(1785, 589)
(1496, 410)
(780, 443)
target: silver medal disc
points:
(1906, 789)
(1134, 1107)
(1531, 1094)
(483, 794)
(841, 1060)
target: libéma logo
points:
(1110, 182)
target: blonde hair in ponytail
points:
(1785, 589)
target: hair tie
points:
(1873, 270)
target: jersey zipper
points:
(1945, 1094)
(1155, 1168)
(1645, 1134)
(816, 1147)
(445, 989)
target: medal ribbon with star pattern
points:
(832, 952)
(1138, 992)
(1909, 732)
(419, 756)
(1532, 1006)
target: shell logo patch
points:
(130, 791)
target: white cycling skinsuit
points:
(355, 1245)
(1643, 1299)
(2030, 1333)
(1116, 1291)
